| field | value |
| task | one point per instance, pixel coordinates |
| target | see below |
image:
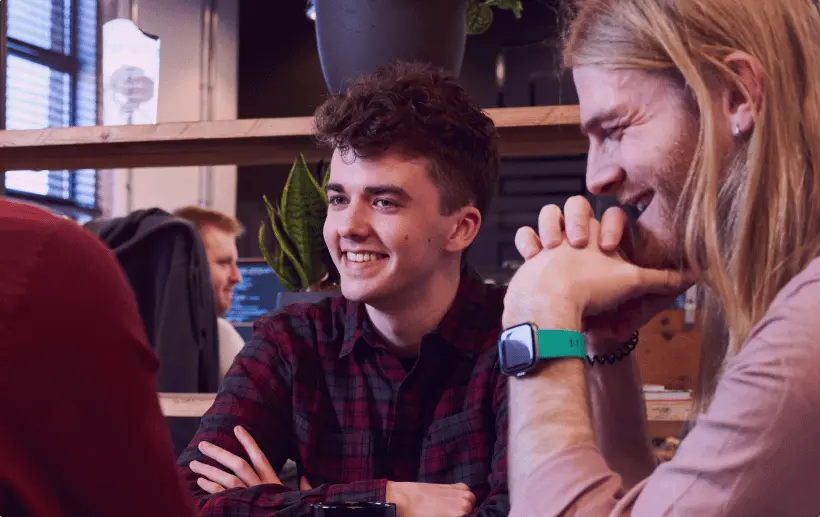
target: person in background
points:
(77, 378)
(705, 116)
(219, 233)
(390, 392)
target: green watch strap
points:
(553, 344)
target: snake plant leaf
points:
(512, 5)
(273, 255)
(325, 179)
(303, 212)
(479, 17)
(273, 252)
(287, 259)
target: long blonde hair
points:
(752, 225)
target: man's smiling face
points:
(643, 132)
(384, 228)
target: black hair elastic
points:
(613, 357)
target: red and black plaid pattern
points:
(317, 385)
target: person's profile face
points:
(220, 246)
(643, 132)
(384, 227)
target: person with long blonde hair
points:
(704, 117)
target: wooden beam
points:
(185, 404)
(534, 131)
(665, 428)
(196, 404)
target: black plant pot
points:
(355, 37)
(538, 24)
(288, 297)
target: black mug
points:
(353, 509)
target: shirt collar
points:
(476, 310)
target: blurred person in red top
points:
(81, 431)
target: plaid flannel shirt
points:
(316, 384)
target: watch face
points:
(516, 350)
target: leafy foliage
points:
(292, 242)
(480, 13)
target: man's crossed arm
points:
(411, 499)
(229, 472)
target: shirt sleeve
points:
(752, 453)
(497, 502)
(82, 432)
(257, 394)
(230, 344)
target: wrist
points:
(393, 494)
(559, 315)
(600, 346)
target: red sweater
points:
(81, 431)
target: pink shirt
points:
(756, 452)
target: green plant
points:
(292, 241)
(480, 13)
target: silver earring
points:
(736, 130)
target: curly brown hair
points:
(417, 111)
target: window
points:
(51, 81)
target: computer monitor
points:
(255, 296)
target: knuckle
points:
(243, 468)
(615, 212)
(577, 202)
(549, 213)
(550, 209)
(635, 276)
(523, 235)
(577, 225)
(235, 483)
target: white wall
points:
(178, 25)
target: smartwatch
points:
(521, 347)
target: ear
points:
(466, 223)
(741, 100)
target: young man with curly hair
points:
(390, 392)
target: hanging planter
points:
(355, 37)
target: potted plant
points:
(480, 13)
(355, 37)
(291, 241)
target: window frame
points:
(68, 63)
(3, 19)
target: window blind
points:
(51, 82)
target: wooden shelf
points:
(185, 404)
(196, 404)
(535, 131)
